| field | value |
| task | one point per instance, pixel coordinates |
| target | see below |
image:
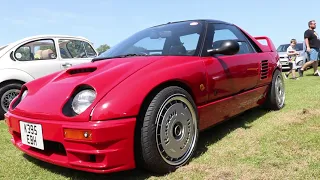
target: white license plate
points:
(31, 134)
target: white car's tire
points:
(7, 93)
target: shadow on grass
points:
(207, 137)
(310, 75)
(219, 131)
(81, 175)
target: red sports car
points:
(144, 101)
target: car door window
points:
(190, 42)
(219, 32)
(72, 49)
(36, 50)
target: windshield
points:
(176, 39)
(2, 47)
(283, 47)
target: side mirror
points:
(225, 47)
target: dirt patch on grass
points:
(295, 117)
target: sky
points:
(111, 21)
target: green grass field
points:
(255, 145)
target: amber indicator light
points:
(78, 134)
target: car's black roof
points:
(204, 20)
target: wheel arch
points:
(14, 75)
(157, 89)
(3, 90)
(275, 69)
(11, 81)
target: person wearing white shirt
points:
(292, 55)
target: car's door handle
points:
(66, 65)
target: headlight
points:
(83, 100)
(24, 94)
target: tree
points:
(102, 48)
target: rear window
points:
(283, 47)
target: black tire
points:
(272, 102)
(3, 91)
(150, 145)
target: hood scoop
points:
(81, 70)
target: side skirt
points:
(223, 109)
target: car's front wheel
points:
(169, 131)
(7, 93)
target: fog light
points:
(78, 134)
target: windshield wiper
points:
(120, 56)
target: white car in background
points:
(37, 56)
(300, 60)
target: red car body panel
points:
(112, 150)
(221, 87)
(107, 75)
(230, 84)
(221, 110)
(187, 70)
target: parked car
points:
(143, 102)
(300, 60)
(35, 57)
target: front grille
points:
(51, 147)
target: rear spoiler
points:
(266, 48)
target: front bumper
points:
(110, 150)
(284, 64)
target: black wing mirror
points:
(225, 47)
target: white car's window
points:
(36, 50)
(70, 49)
(89, 50)
(283, 47)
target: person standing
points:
(312, 42)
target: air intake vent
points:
(264, 69)
(82, 70)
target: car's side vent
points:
(264, 69)
(81, 70)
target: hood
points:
(283, 54)
(47, 96)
